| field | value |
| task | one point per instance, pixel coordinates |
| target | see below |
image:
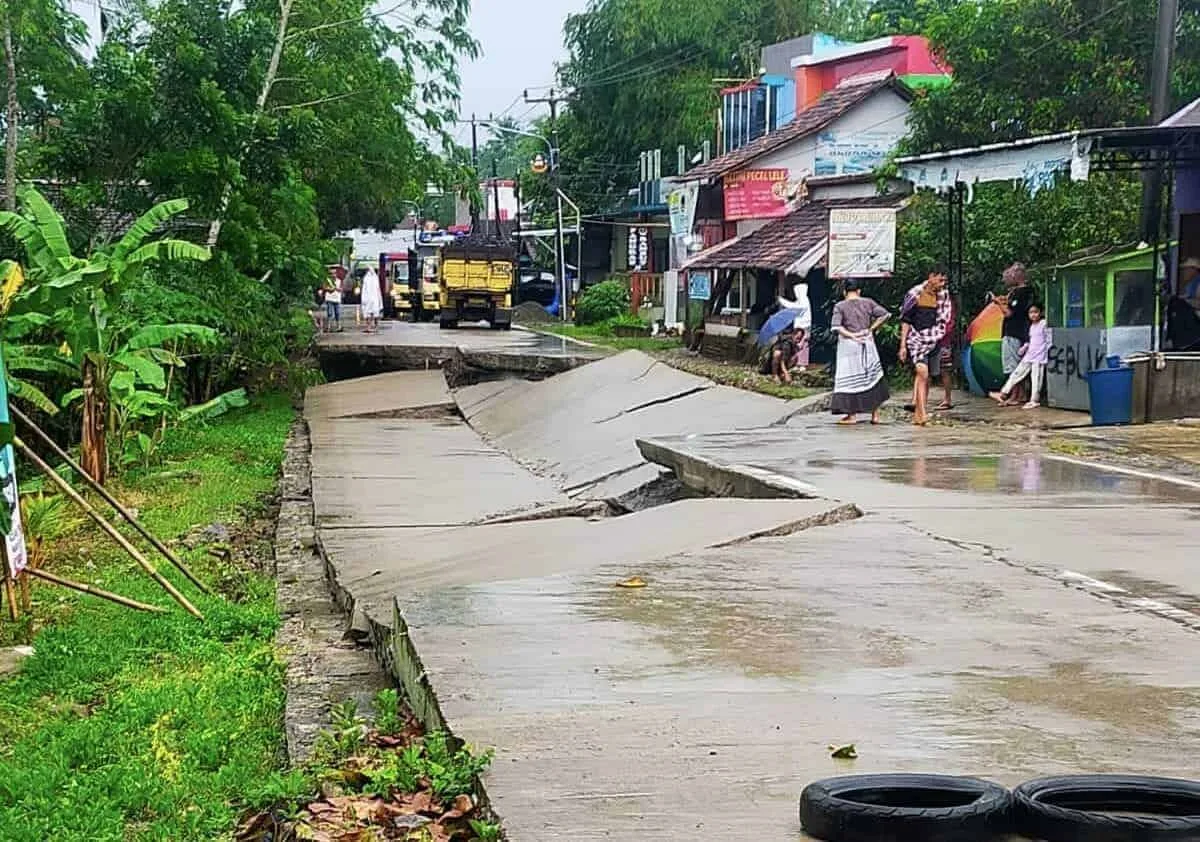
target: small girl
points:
(1034, 356)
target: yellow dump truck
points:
(476, 281)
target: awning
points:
(1035, 161)
(793, 244)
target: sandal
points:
(943, 407)
(846, 422)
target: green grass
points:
(128, 726)
(602, 334)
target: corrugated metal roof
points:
(832, 105)
(780, 244)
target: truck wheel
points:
(447, 324)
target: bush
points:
(604, 301)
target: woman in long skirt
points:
(858, 385)
(371, 305)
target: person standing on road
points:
(333, 307)
(924, 320)
(372, 301)
(858, 384)
(1034, 356)
(1015, 332)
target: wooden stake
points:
(11, 596)
(9, 593)
(109, 498)
(111, 530)
(26, 598)
(88, 589)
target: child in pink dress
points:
(1034, 357)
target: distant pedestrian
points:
(924, 320)
(318, 312)
(333, 308)
(372, 301)
(1034, 355)
(1014, 334)
(780, 355)
(858, 384)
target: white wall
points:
(884, 111)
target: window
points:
(1134, 298)
(735, 302)
(1074, 316)
(1097, 301)
(1054, 303)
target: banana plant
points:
(76, 296)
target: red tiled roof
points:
(829, 107)
(782, 242)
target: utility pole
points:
(1160, 103)
(474, 173)
(496, 198)
(560, 263)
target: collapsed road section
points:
(767, 629)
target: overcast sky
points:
(521, 41)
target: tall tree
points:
(1025, 67)
(40, 40)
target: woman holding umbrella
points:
(858, 385)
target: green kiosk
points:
(1098, 305)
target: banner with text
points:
(862, 242)
(10, 516)
(756, 194)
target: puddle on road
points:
(729, 622)
(1027, 474)
(1081, 692)
(1150, 589)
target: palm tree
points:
(77, 296)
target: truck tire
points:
(447, 324)
(905, 808)
(1107, 808)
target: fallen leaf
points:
(846, 752)
(632, 582)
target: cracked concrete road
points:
(997, 611)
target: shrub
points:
(604, 301)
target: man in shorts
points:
(1015, 333)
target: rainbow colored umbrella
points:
(982, 359)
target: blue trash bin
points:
(1110, 395)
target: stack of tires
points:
(942, 808)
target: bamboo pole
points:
(9, 592)
(91, 512)
(89, 590)
(109, 498)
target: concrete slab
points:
(402, 345)
(580, 427)
(394, 393)
(375, 565)
(700, 706)
(386, 473)
(1005, 495)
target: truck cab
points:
(476, 276)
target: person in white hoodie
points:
(802, 324)
(371, 305)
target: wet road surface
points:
(1054, 514)
(940, 632)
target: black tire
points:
(1107, 808)
(905, 808)
(446, 324)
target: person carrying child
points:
(1034, 355)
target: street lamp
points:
(560, 251)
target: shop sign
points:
(852, 153)
(757, 194)
(699, 286)
(681, 204)
(862, 242)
